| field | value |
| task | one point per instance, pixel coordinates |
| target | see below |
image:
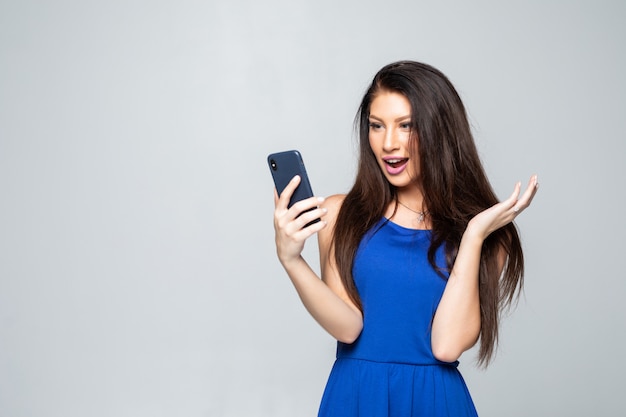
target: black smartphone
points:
(286, 165)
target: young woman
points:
(417, 260)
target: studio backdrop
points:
(138, 274)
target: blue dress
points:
(390, 370)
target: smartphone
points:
(286, 165)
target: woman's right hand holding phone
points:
(289, 223)
(325, 299)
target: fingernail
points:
(320, 199)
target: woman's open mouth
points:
(395, 165)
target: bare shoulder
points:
(332, 204)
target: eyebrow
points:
(398, 119)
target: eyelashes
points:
(377, 126)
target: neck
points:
(411, 198)
(408, 208)
(421, 213)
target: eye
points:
(405, 125)
(375, 126)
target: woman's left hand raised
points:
(503, 213)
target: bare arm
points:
(456, 325)
(324, 299)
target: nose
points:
(390, 142)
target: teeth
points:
(393, 161)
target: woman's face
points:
(389, 137)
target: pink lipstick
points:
(395, 165)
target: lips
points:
(395, 165)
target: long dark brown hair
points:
(454, 185)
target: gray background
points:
(137, 269)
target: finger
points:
(285, 196)
(283, 216)
(510, 202)
(308, 231)
(306, 204)
(275, 197)
(309, 216)
(293, 229)
(533, 186)
(525, 200)
(304, 208)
